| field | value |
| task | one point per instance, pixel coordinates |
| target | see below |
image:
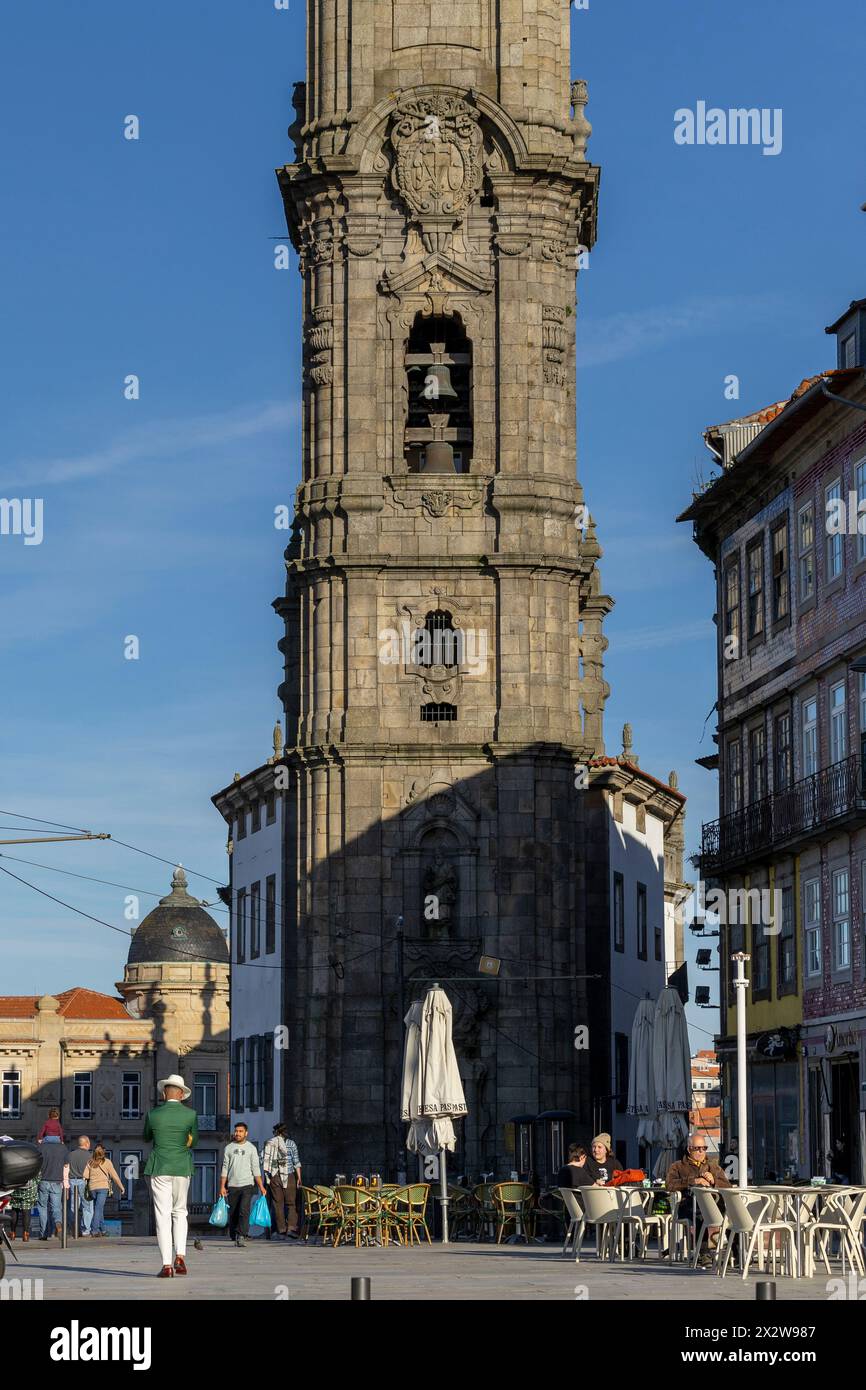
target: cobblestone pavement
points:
(125, 1269)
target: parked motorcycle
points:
(19, 1164)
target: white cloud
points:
(161, 439)
(653, 638)
(634, 332)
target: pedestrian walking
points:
(78, 1160)
(282, 1169)
(53, 1181)
(21, 1205)
(100, 1181)
(173, 1129)
(241, 1174)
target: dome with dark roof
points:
(178, 929)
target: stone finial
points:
(178, 895)
(237, 777)
(581, 126)
(673, 780)
(278, 740)
(48, 1004)
(590, 546)
(628, 754)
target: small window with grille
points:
(438, 714)
(438, 643)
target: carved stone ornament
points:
(510, 244)
(320, 342)
(555, 251)
(555, 343)
(437, 142)
(437, 502)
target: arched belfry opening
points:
(439, 375)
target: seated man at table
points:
(576, 1172)
(696, 1170)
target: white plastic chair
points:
(711, 1214)
(679, 1229)
(636, 1215)
(747, 1214)
(574, 1211)
(600, 1209)
(843, 1215)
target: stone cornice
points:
(640, 788)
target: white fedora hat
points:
(174, 1080)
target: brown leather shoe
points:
(166, 1272)
(180, 1265)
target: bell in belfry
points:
(437, 378)
(438, 457)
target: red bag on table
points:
(626, 1175)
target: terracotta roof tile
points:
(74, 1003)
(763, 417)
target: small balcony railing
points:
(824, 798)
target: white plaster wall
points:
(256, 986)
(639, 857)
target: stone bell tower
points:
(443, 608)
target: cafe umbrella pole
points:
(740, 985)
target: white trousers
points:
(169, 1208)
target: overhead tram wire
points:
(107, 882)
(56, 823)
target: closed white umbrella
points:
(672, 1073)
(641, 1077)
(432, 1089)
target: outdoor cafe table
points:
(788, 1196)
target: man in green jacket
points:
(173, 1129)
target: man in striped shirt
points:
(282, 1168)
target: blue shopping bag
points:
(220, 1214)
(260, 1213)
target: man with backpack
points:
(282, 1168)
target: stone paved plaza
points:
(125, 1270)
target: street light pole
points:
(740, 983)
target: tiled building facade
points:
(791, 616)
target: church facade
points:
(443, 690)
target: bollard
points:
(360, 1288)
(64, 1210)
(765, 1291)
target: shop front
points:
(775, 1132)
(836, 1091)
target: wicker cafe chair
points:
(360, 1215)
(462, 1212)
(312, 1209)
(514, 1203)
(407, 1208)
(329, 1213)
(485, 1209)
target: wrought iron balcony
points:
(824, 799)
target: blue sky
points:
(154, 257)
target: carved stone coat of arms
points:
(437, 142)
